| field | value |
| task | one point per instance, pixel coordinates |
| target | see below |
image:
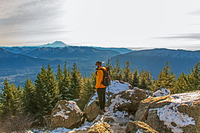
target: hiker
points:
(100, 88)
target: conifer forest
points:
(37, 98)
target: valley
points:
(19, 62)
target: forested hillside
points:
(50, 86)
(154, 60)
(19, 62)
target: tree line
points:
(40, 97)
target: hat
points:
(98, 63)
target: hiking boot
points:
(104, 110)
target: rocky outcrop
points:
(146, 104)
(175, 113)
(92, 111)
(133, 111)
(66, 114)
(139, 127)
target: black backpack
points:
(106, 77)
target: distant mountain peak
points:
(2, 50)
(56, 44)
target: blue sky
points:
(109, 23)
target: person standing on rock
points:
(100, 88)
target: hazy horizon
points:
(115, 23)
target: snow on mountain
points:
(55, 44)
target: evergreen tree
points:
(18, 98)
(14, 102)
(135, 78)
(51, 89)
(143, 84)
(181, 84)
(196, 76)
(9, 100)
(76, 82)
(59, 78)
(108, 64)
(29, 97)
(145, 79)
(93, 79)
(64, 90)
(40, 93)
(166, 78)
(117, 71)
(46, 92)
(88, 89)
(193, 78)
(127, 72)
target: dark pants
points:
(101, 95)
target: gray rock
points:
(66, 114)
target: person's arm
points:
(99, 78)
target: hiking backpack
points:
(106, 77)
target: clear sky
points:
(106, 23)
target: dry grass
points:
(19, 123)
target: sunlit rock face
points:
(173, 113)
(66, 114)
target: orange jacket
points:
(99, 78)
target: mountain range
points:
(154, 60)
(19, 62)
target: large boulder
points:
(145, 105)
(139, 127)
(66, 114)
(128, 100)
(123, 106)
(174, 113)
(92, 111)
(154, 121)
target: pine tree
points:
(46, 92)
(93, 79)
(51, 89)
(9, 100)
(193, 77)
(59, 78)
(76, 82)
(166, 78)
(110, 66)
(29, 97)
(64, 90)
(135, 78)
(127, 72)
(196, 76)
(117, 71)
(181, 84)
(145, 79)
(40, 93)
(143, 84)
(88, 89)
(18, 98)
